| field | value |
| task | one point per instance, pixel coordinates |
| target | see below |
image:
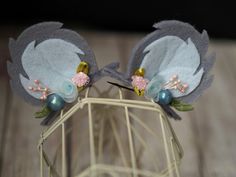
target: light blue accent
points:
(68, 91)
(167, 52)
(52, 62)
(153, 88)
(185, 56)
(160, 52)
(168, 56)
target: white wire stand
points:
(172, 148)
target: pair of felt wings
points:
(46, 57)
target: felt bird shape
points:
(50, 65)
(170, 66)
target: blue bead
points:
(165, 97)
(55, 102)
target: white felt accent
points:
(52, 62)
(186, 55)
(170, 56)
(167, 52)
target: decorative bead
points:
(55, 102)
(140, 72)
(165, 97)
(83, 67)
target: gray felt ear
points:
(40, 33)
(183, 31)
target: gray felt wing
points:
(163, 50)
(48, 53)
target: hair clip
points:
(60, 59)
(173, 66)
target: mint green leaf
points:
(181, 106)
(184, 107)
(43, 113)
(175, 102)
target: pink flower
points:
(80, 79)
(139, 82)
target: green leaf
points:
(43, 113)
(175, 102)
(181, 106)
(184, 107)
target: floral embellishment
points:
(39, 88)
(80, 79)
(175, 83)
(68, 91)
(139, 82)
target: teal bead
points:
(55, 102)
(165, 97)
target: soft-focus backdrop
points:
(112, 29)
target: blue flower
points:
(68, 91)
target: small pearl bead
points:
(36, 81)
(175, 76)
(185, 85)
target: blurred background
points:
(217, 18)
(112, 29)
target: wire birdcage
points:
(99, 163)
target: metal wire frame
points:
(172, 147)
